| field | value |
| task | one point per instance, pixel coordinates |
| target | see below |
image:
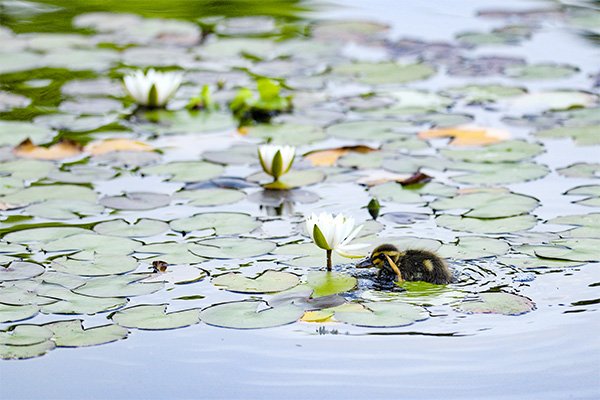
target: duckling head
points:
(381, 256)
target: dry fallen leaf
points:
(328, 157)
(58, 151)
(467, 135)
(378, 176)
(110, 145)
(317, 316)
(417, 177)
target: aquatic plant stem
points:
(329, 260)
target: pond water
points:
(496, 101)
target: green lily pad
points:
(491, 226)
(581, 170)
(231, 248)
(583, 135)
(287, 134)
(107, 245)
(509, 151)
(140, 228)
(136, 201)
(82, 174)
(491, 204)
(269, 281)
(61, 209)
(484, 93)
(223, 223)
(503, 173)
(155, 317)
(326, 283)
(25, 335)
(392, 191)
(17, 296)
(210, 197)
(185, 171)
(385, 73)
(473, 247)
(12, 313)
(570, 249)
(98, 265)
(72, 334)
(178, 275)
(35, 194)
(28, 236)
(246, 315)
(118, 286)
(536, 262)
(380, 130)
(539, 102)
(62, 279)
(18, 270)
(14, 132)
(383, 315)
(73, 303)
(541, 71)
(497, 303)
(25, 352)
(293, 179)
(170, 252)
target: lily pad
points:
(12, 313)
(326, 283)
(118, 286)
(73, 303)
(210, 197)
(491, 204)
(380, 130)
(178, 275)
(136, 201)
(18, 270)
(25, 352)
(106, 245)
(581, 170)
(293, 179)
(28, 236)
(269, 281)
(170, 252)
(140, 228)
(155, 317)
(385, 73)
(536, 262)
(14, 132)
(491, 226)
(223, 223)
(61, 209)
(497, 303)
(249, 315)
(25, 335)
(502, 173)
(99, 265)
(226, 248)
(185, 171)
(383, 315)
(35, 194)
(509, 151)
(541, 71)
(474, 247)
(583, 135)
(72, 334)
(287, 134)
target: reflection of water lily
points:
(152, 89)
(334, 234)
(276, 160)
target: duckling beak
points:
(366, 263)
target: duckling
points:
(409, 265)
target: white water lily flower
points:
(276, 160)
(152, 89)
(335, 233)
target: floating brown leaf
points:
(328, 157)
(58, 151)
(467, 135)
(110, 145)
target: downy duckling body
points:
(409, 265)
